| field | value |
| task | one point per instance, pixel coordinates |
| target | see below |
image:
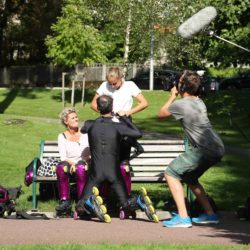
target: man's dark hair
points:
(104, 104)
(190, 82)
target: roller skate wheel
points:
(65, 169)
(107, 218)
(99, 200)
(54, 169)
(103, 208)
(76, 217)
(155, 218)
(122, 215)
(151, 209)
(144, 191)
(127, 169)
(5, 214)
(147, 200)
(95, 191)
(86, 167)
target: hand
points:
(174, 92)
(72, 169)
(122, 113)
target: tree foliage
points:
(233, 24)
(96, 31)
(75, 40)
(24, 26)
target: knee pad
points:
(60, 170)
(125, 171)
(81, 170)
(62, 183)
(81, 178)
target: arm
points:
(85, 128)
(142, 104)
(127, 128)
(164, 113)
(93, 104)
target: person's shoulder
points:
(88, 122)
(61, 137)
(132, 86)
(103, 85)
(129, 83)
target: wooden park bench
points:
(148, 167)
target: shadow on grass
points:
(88, 96)
(10, 97)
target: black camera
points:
(176, 80)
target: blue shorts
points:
(189, 166)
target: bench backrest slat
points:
(151, 161)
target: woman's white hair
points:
(64, 114)
(115, 72)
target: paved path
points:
(230, 231)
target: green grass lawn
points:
(27, 116)
(127, 246)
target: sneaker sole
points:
(206, 222)
(179, 225)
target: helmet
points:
(28, 179)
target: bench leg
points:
(34, 204)
(34, 207)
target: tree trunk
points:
(127, 39)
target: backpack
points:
(243, 212)
(195, 208)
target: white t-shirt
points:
(73, 151)
(122, 97)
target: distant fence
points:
(51, 76)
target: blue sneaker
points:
(177, 221)
(206, 219)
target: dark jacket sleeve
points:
(86, 126)
(127, 128)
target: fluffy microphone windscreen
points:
(197, 22)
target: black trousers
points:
(116, 183)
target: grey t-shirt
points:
(192, 113)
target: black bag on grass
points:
(195, 208)
(243, 212)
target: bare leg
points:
(199, 192)
(177, 191)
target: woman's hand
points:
(72, 169)
(122, 113)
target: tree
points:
(75, 40)
(7, 11)
(24, 26)
(233, 24)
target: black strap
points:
(31, 216)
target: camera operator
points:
(206, 149)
